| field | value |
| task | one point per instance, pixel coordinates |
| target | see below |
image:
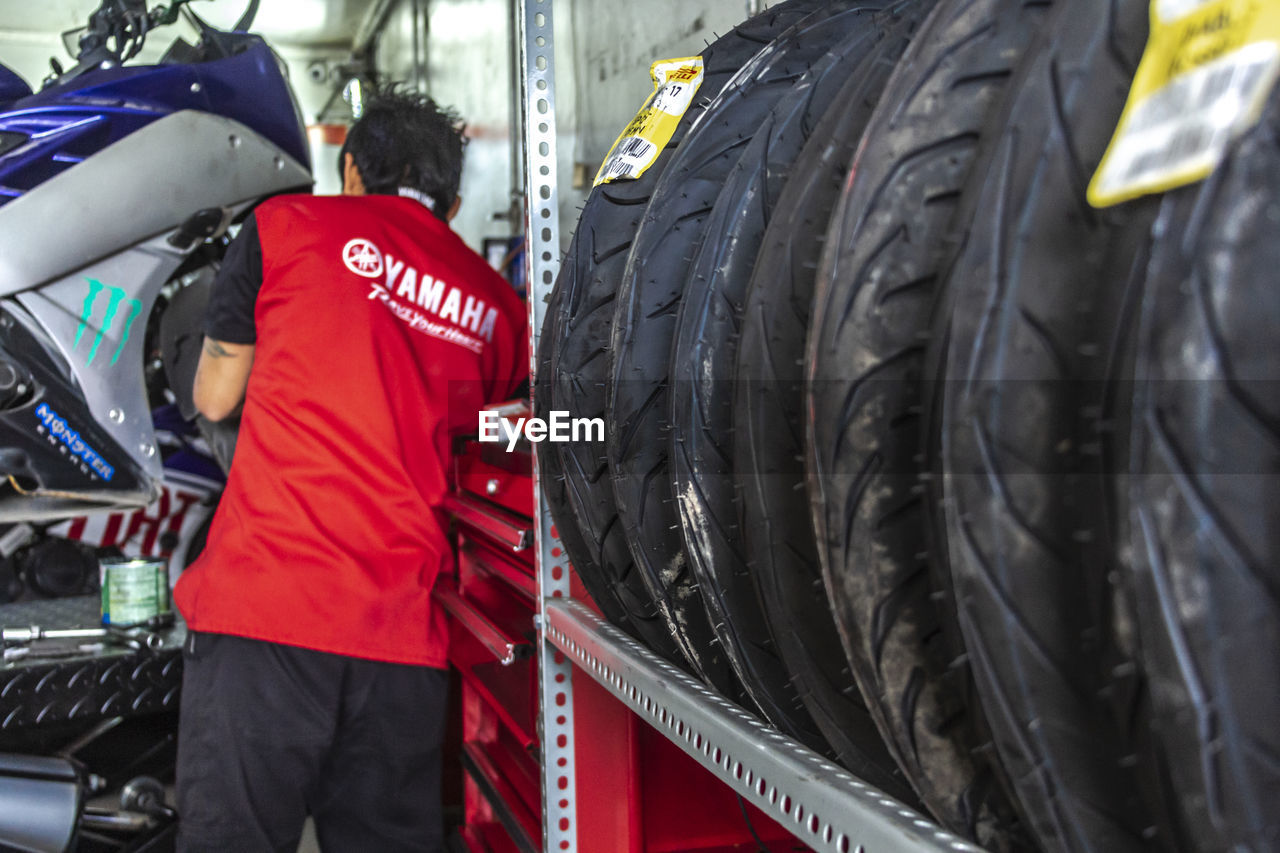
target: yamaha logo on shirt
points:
(427, 304)
(362, 258)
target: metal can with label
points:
(134, 590)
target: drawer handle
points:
(490, 522)
(506, 649)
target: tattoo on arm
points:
(216, 350)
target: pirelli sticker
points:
(675, 82)
(1204, 80)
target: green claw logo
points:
(114, 301)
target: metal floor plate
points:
(67, 681)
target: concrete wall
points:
(469, 68)
(603, 52)
(614, 43)
(28, 53)
(463, 62)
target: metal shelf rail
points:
(535, 50)
(821, 804)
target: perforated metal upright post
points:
(537, 99)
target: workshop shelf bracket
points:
(535, 45)
(821, 804)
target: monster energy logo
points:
(115, 300)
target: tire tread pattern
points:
(1036, 313)
(705, 356)
(888, 248)
(576, 340)
(643, 330)
(1201, 503)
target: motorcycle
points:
(118, 183)
(60, 559)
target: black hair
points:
(405, 139)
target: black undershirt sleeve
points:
(229, 315)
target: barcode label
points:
(618, 169)
(631, 157)
(1203, 82)
(636, 148)
(676, 81)
(1184, 128)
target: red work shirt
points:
(378, 334)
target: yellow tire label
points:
(1203, 81)
(675, 83)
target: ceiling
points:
(299, 22)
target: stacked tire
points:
(944, 471)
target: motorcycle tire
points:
(579, 339)
(703, 367)
(1033, 324)
(638, 410)
(768, 431)
(181, 340)
(554, 485)
(886, 250)
(1201, 502)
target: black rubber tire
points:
(554, 492)
(703, 361)
(638, 410)
(181, 341)
(1202, 502)
(1032, 331)
(888, 245)
(768, 448)
(181, 338)
(576, 338)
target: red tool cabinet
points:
(636, 791)
(491, 601)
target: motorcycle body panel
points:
(92, 354)
(99, 171)
(147, 183)
(62, 558)
(12, 87)
(169, 526)
(65, 123)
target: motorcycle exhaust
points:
(43, 799)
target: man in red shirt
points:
(354, 333)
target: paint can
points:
(134, 590)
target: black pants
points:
(270, 733)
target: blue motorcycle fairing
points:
(59, 137)
(12, 87)
(68, 122)
(181, 445)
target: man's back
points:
(378, 332)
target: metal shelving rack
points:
(821, 804)
(536, 62)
